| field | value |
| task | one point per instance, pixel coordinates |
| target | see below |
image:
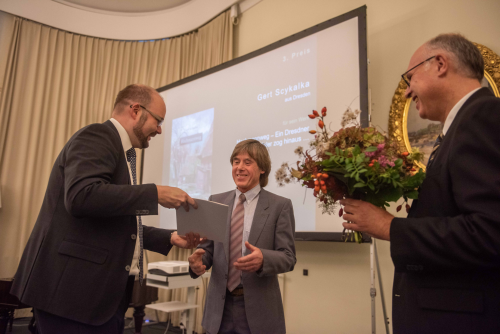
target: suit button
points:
(127, 268)
(133, 236)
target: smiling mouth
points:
(241, 175)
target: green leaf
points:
(413, 194)
(371, 149)
(329, 153)
(359, 185)
(356, 150)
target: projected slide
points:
(267, 98)
(191, 153)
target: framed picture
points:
(412, 132)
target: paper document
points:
(209, 220)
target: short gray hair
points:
(469, 60)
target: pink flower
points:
(370, 154)
(380, 147)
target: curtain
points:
(55, 82)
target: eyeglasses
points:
(405, 78)
(158, 119)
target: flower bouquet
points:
(354, 162)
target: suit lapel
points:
(259, 218)
(229, 201)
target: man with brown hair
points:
(447, 252)
(243, 295)
(86, 248)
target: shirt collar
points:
(251, 194)
(454, 111)
(126, 143)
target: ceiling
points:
(124, 6)
(123, 19)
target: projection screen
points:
(265, 95)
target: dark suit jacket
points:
(77, 260)
(272, 231)
(447, 252)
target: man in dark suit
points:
(86, 248)
(447, 252)
(243, 295)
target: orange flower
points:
(311, 116)
(405, 154)
(312, 132)
(324, 175)
(321, 124)
(323, 111)
(315, 113)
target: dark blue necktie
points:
(439, 139)
(131, 159)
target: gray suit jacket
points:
(272, 231)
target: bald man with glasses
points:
(446, 254)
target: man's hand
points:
(190, 240)
(171, 197)
(252, 262)
(195, 262)
(367, 218)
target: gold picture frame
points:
(401, 110)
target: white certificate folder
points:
(209, 220)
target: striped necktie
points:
(439, 139)
(237, 220)
(131, 159)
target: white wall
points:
(335, 298)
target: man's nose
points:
(158, 130)
(408, 92)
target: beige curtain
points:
(53, 83)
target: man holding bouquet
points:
(447, 252)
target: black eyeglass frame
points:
(414, 67)
(158, 119)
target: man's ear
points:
(134, 111)
(443, 64)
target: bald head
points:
(141, 94)
(465, 57)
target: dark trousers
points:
(234, 319)
(47, 323)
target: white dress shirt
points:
(127, 144)
(250, 204)
(453, 112)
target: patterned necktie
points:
(439, 139)
(237, 219)
(131, 159)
